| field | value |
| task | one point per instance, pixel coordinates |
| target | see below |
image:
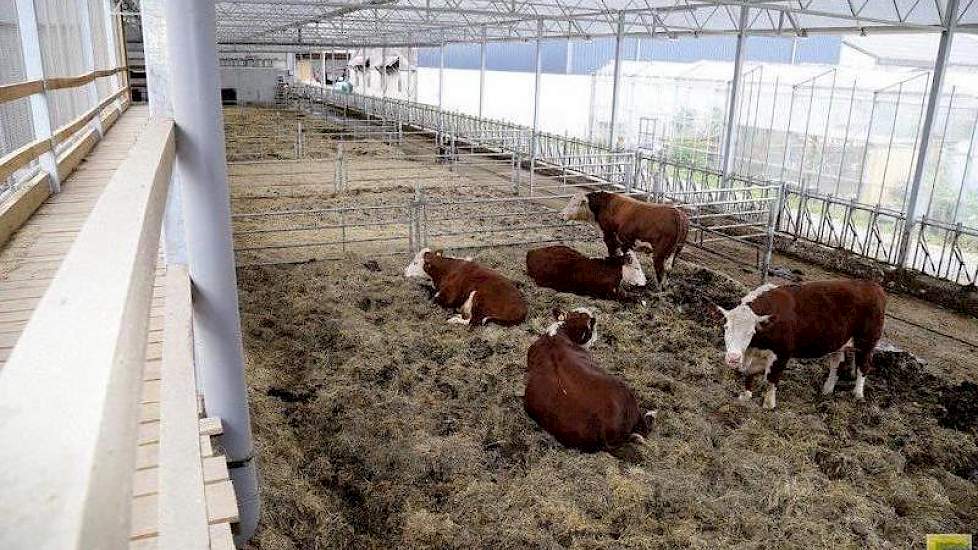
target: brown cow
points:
(479, 294)
(571, 398)
(627, 223)
(774, 324)
(564, 269)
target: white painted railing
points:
(70, 390)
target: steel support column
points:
(30, 43)
(441, 90)
(88, 56)
(933, 101)
(202, 170)
(323, 68)
(383, 74)
(536, 104)
(728, 137)
(615, 84)
(482, 73)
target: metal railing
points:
(940, 249)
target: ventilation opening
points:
(229, 96)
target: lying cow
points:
(566, 270)
(479, 294)
(627, 223)
(774, 324)
(571, 398)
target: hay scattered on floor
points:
(378, 425)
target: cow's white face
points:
(741, 325)
(415, 270)
(578, 209)
(631, 273)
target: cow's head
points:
(415, 270)
(631, 272)
(742, 323)
(578, 209)
(579, 325)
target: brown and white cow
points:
(627, 223)
(569, 395)
(566, 270)
(773, 324)
(479, 294)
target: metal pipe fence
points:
(938, 248)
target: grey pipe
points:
(202, 172)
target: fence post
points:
(34, 70)
(338, 168)
(773, 208)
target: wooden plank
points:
(18, 158)
(145, 517)
(70, 159)
(68, 81)
(221, 503)
(221, 537)
(215, 468)
(183, 504)
(17, 90)
(146, 543)
(146, 482)
(147, 456)
(148, 432)
(211, 426)
(151, 391)
(149, 412)
(106, 276)
(19, 207)
(206, 447)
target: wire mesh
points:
(16, 122)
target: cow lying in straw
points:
(571, 398)
(566, 270)
(477, 293)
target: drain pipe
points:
(202, 173)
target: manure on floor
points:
(378, 425)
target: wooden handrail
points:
(18, 158)
(70, 389)
(17, 90)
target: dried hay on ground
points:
(380, 426)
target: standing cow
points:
(571, 398)
(479, 294)
(774, 324)
(564, 269)
(627, 223)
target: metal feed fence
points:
(471, 189)
(947, 250)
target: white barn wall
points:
(565, 100)
(254, 84)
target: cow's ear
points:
(439, 252)
(720, 310)
(766, 321)
(558, 314)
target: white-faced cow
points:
(571, 398)
(773, 324)
(566, 270)
(628, 224)
(479, 294)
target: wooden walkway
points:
(28, 263)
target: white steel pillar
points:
(383, 72)
(482, 73)
(536, 104)
(933, 101)
(616, 83)
(441, 88)
(88, 55)
(111, 46)
(569, 53)
(728, 137)
(34, 70)
(200, 163)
